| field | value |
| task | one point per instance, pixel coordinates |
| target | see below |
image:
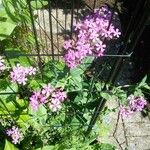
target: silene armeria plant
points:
(91, 33)
(50, 96)
(54, 111)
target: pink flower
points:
(67, 44)
(91, 30)
(100, 46)
(125, 112)
(59, 95)
(48, 96)
(31, 71)
(36, 99)
(15, 134)
(19, 74)
(117, 33)
(47, 90)
(54, 106)
(137, 103)
(77, 26)
(70, 58)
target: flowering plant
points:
(51, 108)
(91, 34)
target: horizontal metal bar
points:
(128, 56)
(8, 93)
(32, 55)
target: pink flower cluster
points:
(19, 73)
(90, 33)
(2, 65)
(15, 134)
(135, 104)
(49, 95)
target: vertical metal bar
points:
(57, 27)
(72, 15)
(132, 21)
(43, 16)
(94, 4)
(35, 37)
(130, 46)
(36, 2)
(78, 4)
(65, 10)
(102, 101)
(141, 26)
(51, 28)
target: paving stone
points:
(135, 117)
(63, 20)
(112, 104)
(145, 119)
(137, 129)
(139, 143)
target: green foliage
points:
(7, 24)
(44, 129)
(9, 146)
(40, 116)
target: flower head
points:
(125, 112)
(15, 134)
(36, 99)
(137, 103)
(19, 74)
(48, 95)
(89, 34)
(54, 106)
(59, 95)
(134, 104)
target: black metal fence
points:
(52, 23)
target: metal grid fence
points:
(54, 22)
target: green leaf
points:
(105, 146)
(62, 83)
(23, 121)
(34, 84)
(105, 95)
(86, 62)
(6, 29)
(143, 82)
(8, 88)
(8, 101)
(9, 146)
(40, 114)
(75, 83)
(76, 72)
(47, 148)
(147, 87)
(38, 4)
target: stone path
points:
(132, 133)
